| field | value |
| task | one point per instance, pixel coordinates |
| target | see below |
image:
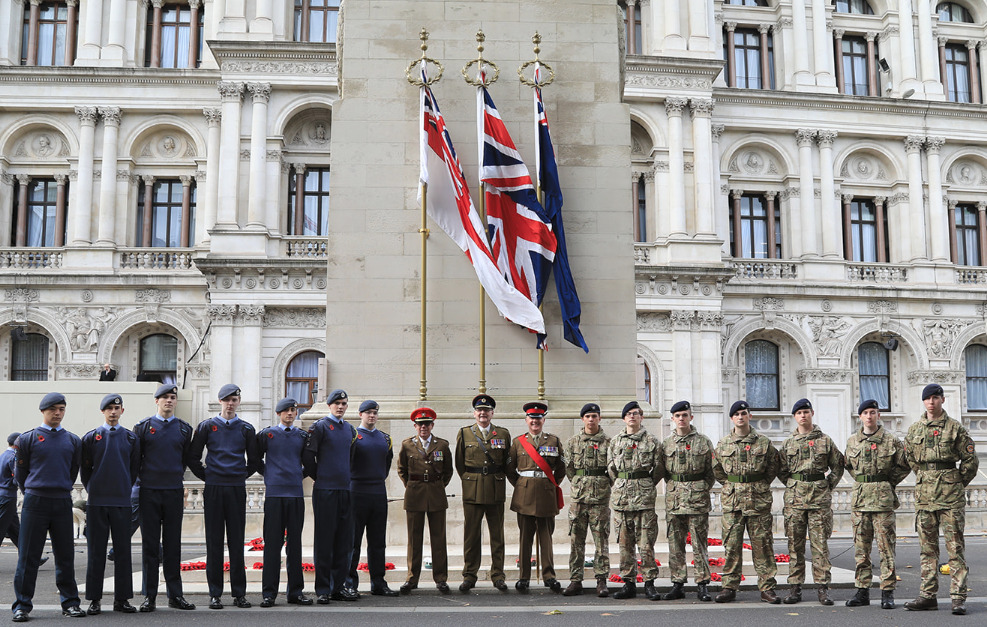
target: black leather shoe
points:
(178, 603)
(675, 593)
(466, 585)
(94, 609)
(522, 585)
(923, 603)
(352, 590)
(124, 606)
(702, 593)
(74, 612)
(300, 600)
(726, 595)
(651, 591)
(148, 605)
(384, 591)
(20, 616)
(629, 591)
(887, 599)
(442, 586)
(215, 603)
(500, 584)
(241, 602)
(553, 585)
(323, 599)
(267, 602)
(43, 560)
(407, 587)
(860, 599)
(345, 594)
(110, 556)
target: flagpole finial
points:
(481, 79)
(537, 79)
(419, 77)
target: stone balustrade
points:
(766, 269)
(305, 247)
(156, 259)
(30, 258)
(876, 273)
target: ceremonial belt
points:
(486, 470)
(801, 476)
(536, 474)
(745, 478)
(695, 477)
(545, 468)
(637, 474)
(591, 472)
(425, 478)
(871, 478)
(937, 466)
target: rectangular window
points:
(28, 356)
(175, 36)
(855, 66)
(976, 377)
(754, 226)
(957, 73)
(642, 210)
(51, 36)
(967, 235)
(747, 58)
(41, 209)
(166, 214)
(316, 20)
(761, 368)
(874, 372)
(867, 237)
(314, 197)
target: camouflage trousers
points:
(679, 525)
(594, 517)
(927, 525)
(637, 529)
(867, 525)
(818, 525)
(758, 528)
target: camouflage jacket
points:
(588, 453)
(943, 441)
(871, 456)
(812, 453)
(632, 454)
(750, 455)
(688, 462)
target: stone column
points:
(731, 53)
(906, 40)
(222, 345)
(305, 20)
(983, 67)
(926, 44)
(660, 196)
(673, 27)
(649, 207)
(699, 25)
(916, 204)
(801, 34)
(60, 180)
(827, 189)
(882, 239)
(702, 156)
(299, 217)
(871, 65)
(193, 45)
(720, 197)
(656, 26)
(807, 210)
(70, 33)
(942, 65)
(636, 210)
(938, 221)
(822, 44)
(251, 317)
(108, 183)
(631, 18)
(738, 232)
(156, 33)
(838, 64)
(772, 240)
(82, 212)
(186, 209)
(258, 154)
(118, 25)
(764, 29)
(263, 21)
(848, 227)
(676, 165)
(147, 222)
(971, 48)
(229, 155)
(981, 227)
(784, 66)
(953, 248)
(207, 200)
(32, 32)
(23, 181)
(93, 35)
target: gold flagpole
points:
(422, 81)
(481, 80)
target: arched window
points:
(28, 356)
(952, 12)
(976, 377)
(860, 7)
(158, 359)
(875, 374)
(761, 359)
(301, 380)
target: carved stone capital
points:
(785, 22)
(736, 193)
(825, 139)
(870, 35)
(214, 115)
(764, 29)
(299, 168)
(186, 179)
(87, 115)
(717, 131)
(730, 26)
(111, 115)
(971, 44)
(61, 179)
(148, 179)
(230, 91)
(674, 106)
(23, 179)
(770, 194)
(701, 107)
(847, 198)
(804, 137)
(839, 32)
(914, 143)
(194, 4)
(943, 41)
(200, 176)
(260, 91)
(934, 144)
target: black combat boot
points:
(675, 593)
(702, 593)
(794, 595)
(861, 598)
(629, 591)
(887, 599)
(650, 591)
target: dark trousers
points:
(104, 522)
(437, 541)
(161, 539)
(283, 516)
(530, 528)
(10, 526)
(41, 517)
(225, 513)
(333, 539)
(473, 515)
(370, 514)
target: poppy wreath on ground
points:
(363, 566)
(713, 561)
(226, 567)
(709, 541)
(657, 563)
(783, 558)
(258, 566)
(308, 567)
(615, 578)
(719, 577)
(257, 544)
(748, 547)
(193, 566)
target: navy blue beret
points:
(285, 404)
(336, 395)
(230, 389)
(12, 438)
(51, 398)
(167, 388)
(110, 399)
(933, 389)
(482, 401)
(628, 407)
(681, 406)
(589, 408)
(802, 403)
(367, 405)
(736, 407)
(868, 404)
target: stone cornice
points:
(123, 76)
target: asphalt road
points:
(540, 607)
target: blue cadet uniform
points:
(328, 455)
(47, 464)
(280, 461)
(372, 459)
(10, 526)
(164, 447)
(110, 463)
(231, 458)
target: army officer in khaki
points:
(481, 456)
(425, 468)
(535, 468)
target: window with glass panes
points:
(176, 36)
(314, 201)
(316, 20)
(52, 35)
(635, 24)
(863, 230)
(166, 213)
(855, 66)
(874, 370)
(747, 58)
(301, 380)
(642, 210)
(957, 72)
(967, 235)
(976, 377)
(860, 7)
(761, 367)
(158, 358)
(952, 12)
(42, 203)
(747, 3)
(29, 357)
(754, 226)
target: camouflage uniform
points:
(877, 464)
(688, 462)
(804, 460)
(746, 466)
(589, 499)
(932, 448)
(635, 466)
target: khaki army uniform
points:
(425, 473)
(746, 466)
(804, 460)
(589, 501)
(535, 499)
(484, 495)
(877, 464)
(636, 467)
(932, 448)
(688, 465)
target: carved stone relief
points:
(41, 146)
(828, 333)
(84, 325)
(967, 174)
(167, 145)
(311, 131)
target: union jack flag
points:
(521, 237)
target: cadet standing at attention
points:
(535, 467)
(805, 457)
(933, 446)
(10, 526)
(636, 467)
(425, 468)
(876, 461)
(746, 463)
(481, 455)
(688, 465)
(589, 500)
